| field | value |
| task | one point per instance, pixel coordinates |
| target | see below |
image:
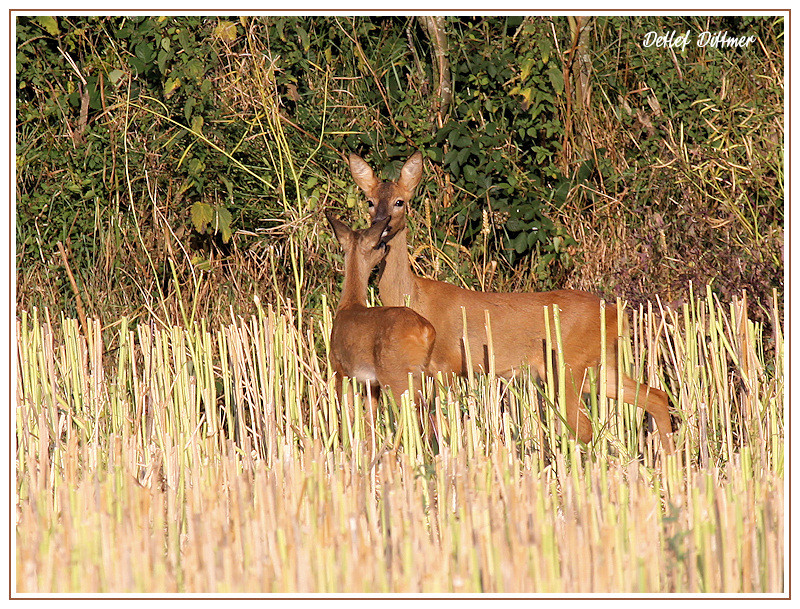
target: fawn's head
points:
(388, 199)
(364, 248)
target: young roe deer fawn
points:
(517, 319)
(379, 346)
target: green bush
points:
(153, 147)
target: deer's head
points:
(388, 199)
(365, 247)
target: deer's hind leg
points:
(398, 384)
(372, 400)
(651, 400)
(347, 402)
(575, 414)
(577, 420)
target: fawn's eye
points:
(371, 204)
(399, 203)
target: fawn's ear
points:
(411, 173)
(374, 234)
(362, 173)
(341, 231)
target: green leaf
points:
(435, 154)
(50, 24)
(145, 52)
(464, 141)
(470, 175)
(183, 38)
(585, 170)
(560, 193)
(545, 47)
(137, 64)
(163, 57)
(528, 212)
(202, 264)
(196, 167)
(520, 243)
(116, 76)
(228, 185)
(304, 39)
(195, 68)
(556, 78)
(170, 86)
(188, 107)
(224, 220)
(202, 215)
(225, 31)
(514, 225)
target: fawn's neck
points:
(354, 289)
(397, 280)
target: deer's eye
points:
(399, 203)
(371, 204)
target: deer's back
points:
(518, 326)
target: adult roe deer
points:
(378, 346)
(517, 319)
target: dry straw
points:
(186, 459)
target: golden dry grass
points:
(194, 460)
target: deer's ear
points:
(341, 231)
(362, 173)
(411, 173)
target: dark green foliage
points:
(502, 141)
(140, 137)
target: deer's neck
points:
(354, 289)
(397, 280)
